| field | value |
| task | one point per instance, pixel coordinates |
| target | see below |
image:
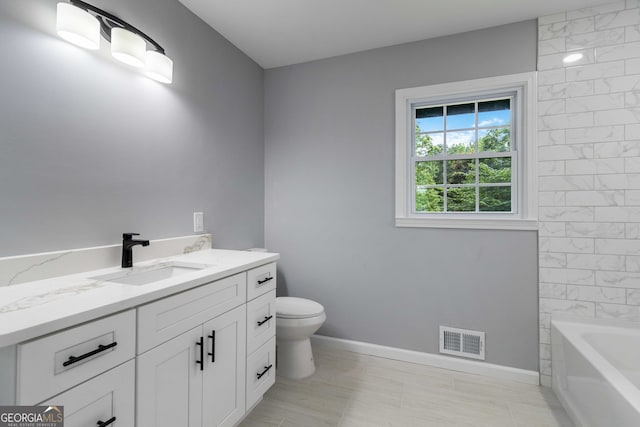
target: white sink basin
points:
(154, 273)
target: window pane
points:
(494, 170)
(421, 200)
(462, 116)
(430, 200)
(430, 119)
(494, 113)
(495, 199)
(461, 142)
(494, 140)
(461, 199)
(429, 173)
(461, 171)
(429, 144)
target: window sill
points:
(469, 223)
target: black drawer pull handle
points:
(266, 319)
(100, 349)
(106, 423)
(201, 361)
(266, 369)
(213, 346)
(262, 282)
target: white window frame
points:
(525, 183)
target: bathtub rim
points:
(572, 329)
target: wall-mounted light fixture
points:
(82, 24)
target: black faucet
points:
(127, 248)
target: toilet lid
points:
(295, 308)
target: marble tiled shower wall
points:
(589, 166)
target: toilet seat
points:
(297, 308)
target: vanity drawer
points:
(261, 280)
(167, 318)
(261, 371)
(51, 364)
(107, 396)
(261, 320)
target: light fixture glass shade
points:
(128, 47)
(78, 26)
(159, 67)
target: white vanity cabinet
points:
(201, 357)
(198, 377)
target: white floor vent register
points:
(462, 342)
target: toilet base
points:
(295, 359)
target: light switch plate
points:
(198, 222)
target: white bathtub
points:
(596, 371)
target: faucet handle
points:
(129, 236)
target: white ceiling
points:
(283, 32)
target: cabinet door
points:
(109, 396)
(169, 383)
(223, 388)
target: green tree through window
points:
(430, 175)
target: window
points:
(465, 154)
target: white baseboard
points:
(435, 360)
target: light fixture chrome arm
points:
(109, 21)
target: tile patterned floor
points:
(354, 390)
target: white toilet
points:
(296, 320)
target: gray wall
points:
(90, 148)
(329, 140)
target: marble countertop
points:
(37, 308)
